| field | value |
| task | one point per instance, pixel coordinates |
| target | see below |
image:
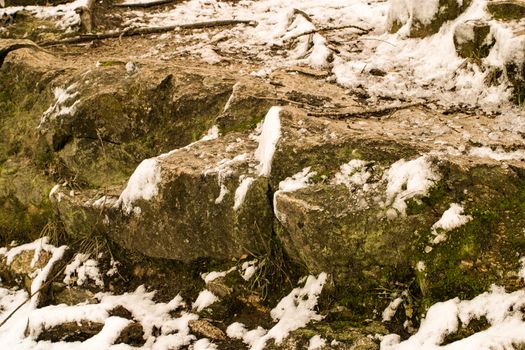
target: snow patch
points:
(210, 276)
(84, 269)
(499, 154)
(143, 184)
(391, 309)
(270, 135)
(316, 343)
(236, 330)
(353, 173)
(409, 179)
(205, 299)
(293, 311)
(502, 310)
(451, 219)
(290, 184)
(249, 268)
(240, 192)
(65, 104)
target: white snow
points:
(203, 344)
(316, 343)
(290, 184)
(249, 268)
(65, 104)
(270, 135)
(240, 192)
(294, 311)
(451, 219)
(501, 309)
(353, 173)
(409, 179)
(143, 184)
(213, 275)
(498, 154)
(236, 330)
(204, 299)
(64, 14)
(297, 181)
(408, 11)
(85, 269)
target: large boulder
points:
(379, 217)
(422, 18)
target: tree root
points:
(145, 30)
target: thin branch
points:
(376, 39)
(146, 30)
(36, 292)
(146, 4)
(367, 113)
(329, 29)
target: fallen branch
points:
(146, 30)
(146, 4)
(329, 29)
(367, 113)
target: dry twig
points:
(145, 31)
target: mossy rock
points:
(473, 40)
(422, 27)
(506, 9)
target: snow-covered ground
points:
(313, 33)
(162, 330)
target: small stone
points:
(132, 334)
(71, 331)
(206, 329)
(377, 72)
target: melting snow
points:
(501, 309)
(270, 135)
(84, 269)
(451, 219)
(205, 299)
(143, 184)
(409, 179)
(240, 192)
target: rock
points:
(24, 188)
(473, 39)
(342, 337)
(121, 311)
(506, 9)
(20, 271)
(423, 18)
(204, 328)
(70, 332)
(71, 295)
(132, 334)
(219, 287)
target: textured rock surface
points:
(507, 9)
(473, 39)
(414, 13)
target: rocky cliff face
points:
(180, 162)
